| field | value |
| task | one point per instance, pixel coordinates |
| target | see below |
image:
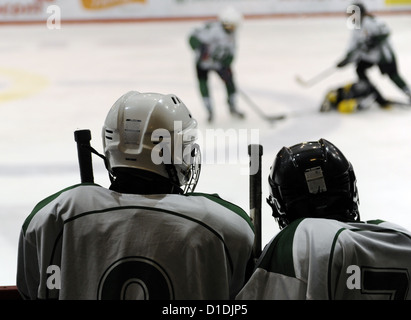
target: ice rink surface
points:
(53, 82)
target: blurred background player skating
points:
(214, 45)
(370, 45)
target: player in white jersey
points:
(370, 45)
(214, 45)
(148, 236)
(324, 251)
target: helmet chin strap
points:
(106, 164)
(172, 173)
(279, 217)
(170, 168)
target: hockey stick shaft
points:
(255, 152)
(251, 102)
(82, 138)
(257, 109)
(317, 78)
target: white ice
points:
(53, 82)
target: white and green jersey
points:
(375, 31)
(88, 242)
(327, 259)
(221, 45)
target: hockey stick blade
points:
(404, 105)
(276, 118)
(300, 81)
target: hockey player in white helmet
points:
(214, 45)
(324, 251)
(370, 45)
(146, 237)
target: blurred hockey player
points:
(370, 45)
(324, 251)
(353, 97)
(146, 237)
(214, 45)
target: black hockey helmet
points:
(312, 179)
(361, 7)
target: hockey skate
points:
(210, 118)
(237, 114)
(233, 109)
(207, 104)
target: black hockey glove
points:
(204, 54)
(343, 62)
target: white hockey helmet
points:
(153, 132)
(230, 18)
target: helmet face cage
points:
(193, 171)
(156, 133)
(312, 179)
(186, 162)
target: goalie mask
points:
(312, 179)
(155, 133)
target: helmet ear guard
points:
(191, 175)
(353, 208)
(278, 215)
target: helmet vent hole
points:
(176, 100)
(108, 132)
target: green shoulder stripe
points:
(231, 206)
(279, 255)
(46, 201)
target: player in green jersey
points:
(214, 45)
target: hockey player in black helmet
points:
(312, 179)
(314, 198)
